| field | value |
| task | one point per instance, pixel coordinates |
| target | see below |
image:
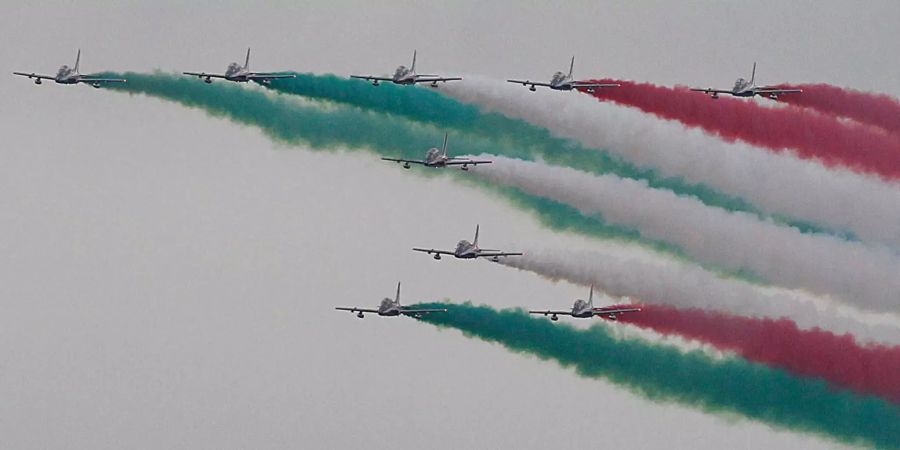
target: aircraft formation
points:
(435, 157)
(407, 76)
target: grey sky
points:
(167, 279)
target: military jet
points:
(744, 88)
(585, 309)
(241, 74)
(563, 82)
(438, 158)
(389, 308)
(468, 250)
(70, 75)
(407, 75)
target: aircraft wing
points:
(371, 78)
(408, 312)
(204, 75)
(607, 312)
(411, 161)
(767, 90)
(270, 76)
(435, 80)
(432, 251)
(581, 84)
(34, 75)
(473, 162)
(100, 80)
(341, 308)
(548, 312)
(526, 83)
(711, 91)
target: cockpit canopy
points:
(401, 71)
(463, 245)
(233, 68)
(558, 77)
(740, 84)
(580, 304)
(432, 154)
(65, 71)
(386, 303)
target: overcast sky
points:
(167, 279)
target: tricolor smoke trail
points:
(663, 373)
(629, 273)
(815, 136)
(874, 109)
(287, 121)
(839, 359)
(863, 276)
(777, 184)
(290, 122)
(430, 107)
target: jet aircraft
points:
(70, 75)
(585, 309)
(407, 75)
(241, 74)
(468, 250)
(744, 88)
(563, 82)
(438, 158)
(390, 308)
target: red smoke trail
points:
(839, 359)
(874, 109)
(811, 135)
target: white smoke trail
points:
(860, 275)
(676, 284)
(777, 184)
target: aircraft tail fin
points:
(77, 60)
(444, 148)
(591, 297)
(413, 68)
(247, 61)
(571, 66)
(475, 243)
(753, 73)
(397, 298)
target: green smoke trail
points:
(288, 120)
(519, 138)
(664, 373)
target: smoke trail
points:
(813, 136)
(630, 274)
(860, 275)
(285, 120)
(531, 142)
(868, 369)
(662, 373)
(875, 109)
(778, 184)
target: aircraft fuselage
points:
(434, 158)
(388, 308)
(582, 309)
(563, 85)
(466, 250)
(562, 82)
